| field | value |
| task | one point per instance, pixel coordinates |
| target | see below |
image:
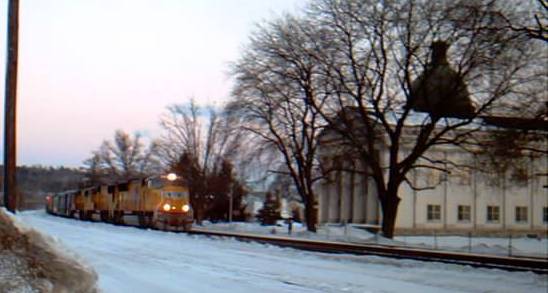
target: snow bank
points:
(32, 262)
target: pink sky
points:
(89, 67)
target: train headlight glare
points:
(171, 176)
(167, 207)
(185, 208)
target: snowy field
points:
(485, 245)
(134, 260)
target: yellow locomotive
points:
(157, 201)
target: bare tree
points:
(123, 158)
(275, 84)
(400, 77)
(534, 22)
(203, 135)
(95, 172)
(195, 144)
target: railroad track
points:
(508, 263)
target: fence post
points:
(290, 226)
(510, 245)
(435, 240)
(469, 241)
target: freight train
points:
(158, 202)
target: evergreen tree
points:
(270, 212)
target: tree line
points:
(41, 179)
(35, 182)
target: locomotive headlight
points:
(171, 176)
(185, 208)
(167, 207)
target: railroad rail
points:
(508, 263)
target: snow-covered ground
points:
(489, 245)
(352, 233)
(134, 260)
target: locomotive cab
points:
(173, 207)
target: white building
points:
(465, 200)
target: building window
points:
(493, 214)
(545, 214)
(521, 214)
(433, 212)
(464, 213)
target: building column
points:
(372, 201)
(503, 213)
(346, 196)
(475, 202)
(414, 199)
(333, 199)
(338, 187)
(445, 179)
(352, 199)
(321, 202)
(359, 198)
(530, 189)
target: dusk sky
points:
(89, 67)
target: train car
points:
(157, 201)
(127, 199)
(55, 204)
(83, 203)
(103, 202)
(168, 198)
(63, 203)
(71, 203)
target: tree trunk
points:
(310, 215)
(389, 213)
(199, 213)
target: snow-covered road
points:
(133, 260)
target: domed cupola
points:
(440, 90)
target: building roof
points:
(517, 122)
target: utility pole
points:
(10, 180)
(230, 203)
